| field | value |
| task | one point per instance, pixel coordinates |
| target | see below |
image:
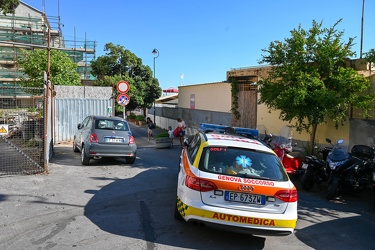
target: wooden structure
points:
(246, 80)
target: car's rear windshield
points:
(111, 124)
(242, 162)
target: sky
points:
(200, 40)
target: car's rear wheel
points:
(130, 160)
(75, 148)
(176, 213)
(84, 159)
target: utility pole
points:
(363, 14)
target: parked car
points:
(103, 136)
(234, 182)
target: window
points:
(193, 147)
(242, 162)
(111, 125)
(85, 121)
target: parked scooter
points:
(315, 169)
(349, 171)
(282, 145)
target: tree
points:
(121, 64)
(370, 57)
(8, 6)
(309, 80)
(62, 69)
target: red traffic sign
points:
(123, 99)
(123, 86)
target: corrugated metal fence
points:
(70, 112)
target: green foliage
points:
(162, 135)
(31, 143)
(370, 56)
(309, 80)
(234, 91)
(132, 115)
(140, 118)
(63, 71)
(121, 64)
(8, 6)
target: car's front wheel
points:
(84, 159)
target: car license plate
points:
(245, 198)
(112, 139)
(304, 166)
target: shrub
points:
(140, 118)
(162, 134)
(131, 116)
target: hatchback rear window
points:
(111, 125)
(242, 162)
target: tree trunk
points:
(312, 137)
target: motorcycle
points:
(282, 145)
(349, 171)
(264, 137)
(315, 169)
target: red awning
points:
(170, 90)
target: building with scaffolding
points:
(30, 28)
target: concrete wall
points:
(271, 121)
(83, 92)
(165, 116)
(27, 10)
(362, 132)
(209, 96)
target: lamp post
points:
(156, 54)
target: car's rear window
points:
(241, 162)
(111, 124)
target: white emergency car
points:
(234, 182)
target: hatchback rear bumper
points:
(106, 150)
(240, 221)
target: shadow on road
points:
(145, 204)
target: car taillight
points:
(287, 195)
(199, 184)
(131, 140)
(94, 138)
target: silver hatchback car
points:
(103, 136)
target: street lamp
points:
(156, 54)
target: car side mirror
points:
(79, 125)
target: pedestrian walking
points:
(151, 127)
(181, 126)
(171, 135)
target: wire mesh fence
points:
(21, 130)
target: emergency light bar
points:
(207, 127)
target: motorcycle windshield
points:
(284, 139)
(339, 152)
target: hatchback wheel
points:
(130, 160)
(75, 149)
(84, 159)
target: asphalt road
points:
(113, 205)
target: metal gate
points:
(21, 130)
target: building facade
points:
(30, 28)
